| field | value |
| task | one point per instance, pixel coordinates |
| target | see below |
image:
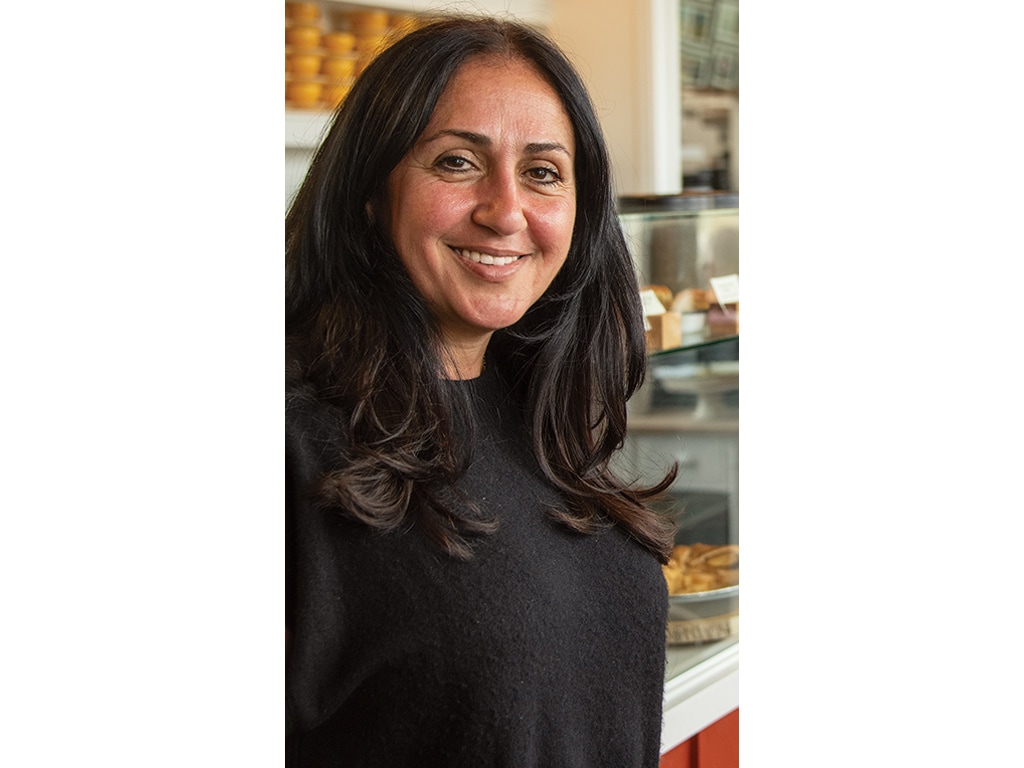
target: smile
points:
(485, 258)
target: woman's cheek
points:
(554, 227)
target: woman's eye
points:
(453, 163)
(544, 175)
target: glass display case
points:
(686, 252)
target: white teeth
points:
(486, 258)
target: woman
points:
(469, 583)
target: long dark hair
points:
(361, 337)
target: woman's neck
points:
(466, 361)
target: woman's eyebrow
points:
(473, 138)
(552, 146)
(483, 141)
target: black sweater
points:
(547, 648)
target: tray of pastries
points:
(703, 592)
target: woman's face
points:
(482, 207)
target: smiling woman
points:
(468, 581)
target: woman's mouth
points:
(479, 257)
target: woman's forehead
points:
(489, 96)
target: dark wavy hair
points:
(361, 337)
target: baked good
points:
(663, 292)
(690, 300)
(701, 567)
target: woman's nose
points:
(500, 205)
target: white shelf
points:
(304, 129)
(536, 12)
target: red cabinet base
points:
(717, 746)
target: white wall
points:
(627, 54)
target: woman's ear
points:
(370, 213)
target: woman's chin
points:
(494, 318)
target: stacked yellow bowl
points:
(370, 29)
(324, 55)
(339, 66)
(303, 55)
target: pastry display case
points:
(686, 252)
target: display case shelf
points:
(693, 346)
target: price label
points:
(726, 288)
(652, 304)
